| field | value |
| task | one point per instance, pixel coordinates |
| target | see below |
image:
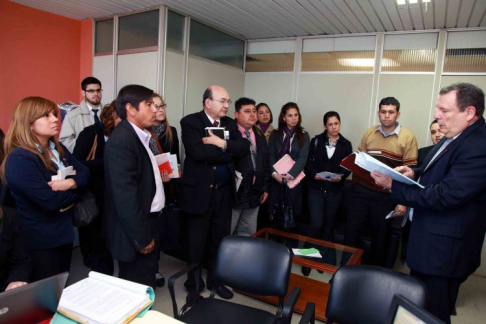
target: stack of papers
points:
(168, 163)
(313, 253)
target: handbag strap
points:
(156, 140)
(92, 152)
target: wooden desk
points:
(312, 290)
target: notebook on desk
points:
(32, 303)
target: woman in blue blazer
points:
(33, 156)
(290, 138)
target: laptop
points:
(32, 303)
(403, 311)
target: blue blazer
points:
(448, 223)
(38, 206)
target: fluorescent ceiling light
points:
(412, 1)
(425, 1)
(400, 2)
(353, 62)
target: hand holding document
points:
(283, 166)
(327, 176)
(104, 299)
(363, 164)
(168, 163)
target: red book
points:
(349, 163)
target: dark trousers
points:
(443, 293)
(367, 204)
(143, 269)
(93, 248)
(49, 262)
(323, 211)
(205, 231)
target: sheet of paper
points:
(292, 183)
(239, 179)
(313, 255)
(371, 164)
(63, 173)
(330, 175)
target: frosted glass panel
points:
(411, 41)
(214, 45)
(338, 61)
(409, 60)
(339, 44)
(274, 47)
(175, 31)
(139, 30)
(466, 39)
(140, 68)
(104, 36)
(270, 62)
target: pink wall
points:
(42, 54)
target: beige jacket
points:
(74, 122)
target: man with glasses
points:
(86, 115)
(208, 182)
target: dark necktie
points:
(96, 119)
(216, 123)
(252, 150)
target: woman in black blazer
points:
(89, 150)
(44, 206)
(290, 138)
(326, 151)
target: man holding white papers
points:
(134, 194)
(254, 168)
(448, 223)
(208, 181)
(395, 146)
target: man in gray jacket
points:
(86, 115)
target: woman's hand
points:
(277, 177)
(165, 176)
(62, 185)
(15, 284)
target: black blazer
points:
(249, 193)
(448, 223)
(318, 161)
(201, 160)
(83, 146)
(129, 192)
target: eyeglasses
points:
(161, 106)
(91, 91)
(223, 101)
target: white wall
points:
(274, 89)
(103, 71)
(174, 87)
(203, 73)
(347, 94)
(140, 68)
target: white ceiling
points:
(254, 19)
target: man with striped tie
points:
(254, 168)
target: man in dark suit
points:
(448, 223)
(436, 136)
(254, 168)
(208, 181)
(134, 192)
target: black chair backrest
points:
(253, 265)
(363, 294)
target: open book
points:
(104, 299)
(363, 164)
(284, 165)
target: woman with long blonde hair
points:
(32, 156)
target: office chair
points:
(248, 264)
(363, 294)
